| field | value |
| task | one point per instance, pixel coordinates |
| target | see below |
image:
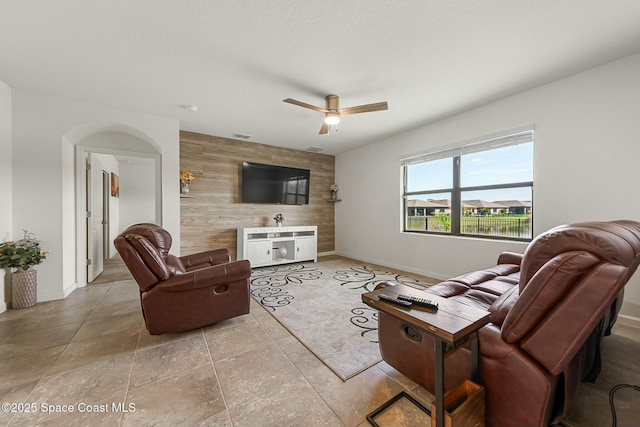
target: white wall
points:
(45, 130)
(137, 189)
(585, 165)
(6, 201)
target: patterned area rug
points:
(320, 303)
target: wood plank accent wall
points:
(213, 210)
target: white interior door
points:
(95, 247)
(106, 241)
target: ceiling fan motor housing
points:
(333, 103)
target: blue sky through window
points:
(502, 165)
(498, 166)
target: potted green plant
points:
(23, 255)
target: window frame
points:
(511, 138)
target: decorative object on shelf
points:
(282, 251)
(333, 189)
(23, 255)
(279, 219)
(186, 178)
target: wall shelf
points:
(335, 200)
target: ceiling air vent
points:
(241, 136)
(315, 149)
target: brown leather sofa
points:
(182, 293)
(550, 309)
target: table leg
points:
(475, 373)
(439, 380)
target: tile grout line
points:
(215, 373)
(133, 361)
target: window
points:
(482, 188)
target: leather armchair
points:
(550, 309)
(182, 293)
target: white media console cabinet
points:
(277, 245)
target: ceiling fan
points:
(332, 110)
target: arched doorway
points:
(104, 149)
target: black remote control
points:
(420, 301)
(394, 300)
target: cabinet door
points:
(259, 253)
(306, 249)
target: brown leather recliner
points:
(182, 293)
(550, 309)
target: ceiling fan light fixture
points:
(332, 119)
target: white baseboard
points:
(67, 291)
(58, 295)
(629, 320)
(326, 253)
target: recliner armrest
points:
(207, 277)
(493, 346)
(510, 258)
(214, 257)
(501, 307)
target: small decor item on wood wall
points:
(186, 178)
(333, 189)
(279, 219)
(115, 185)
(23, 255)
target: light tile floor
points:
(91, 353)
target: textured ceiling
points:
(237, 60)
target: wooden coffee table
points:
(451, 325)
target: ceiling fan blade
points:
(305, 105)
(378, 106)
(324, 128)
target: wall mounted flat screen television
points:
(274, 184)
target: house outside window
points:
(482, 188)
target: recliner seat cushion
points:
(476, 298)
(496, 286)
